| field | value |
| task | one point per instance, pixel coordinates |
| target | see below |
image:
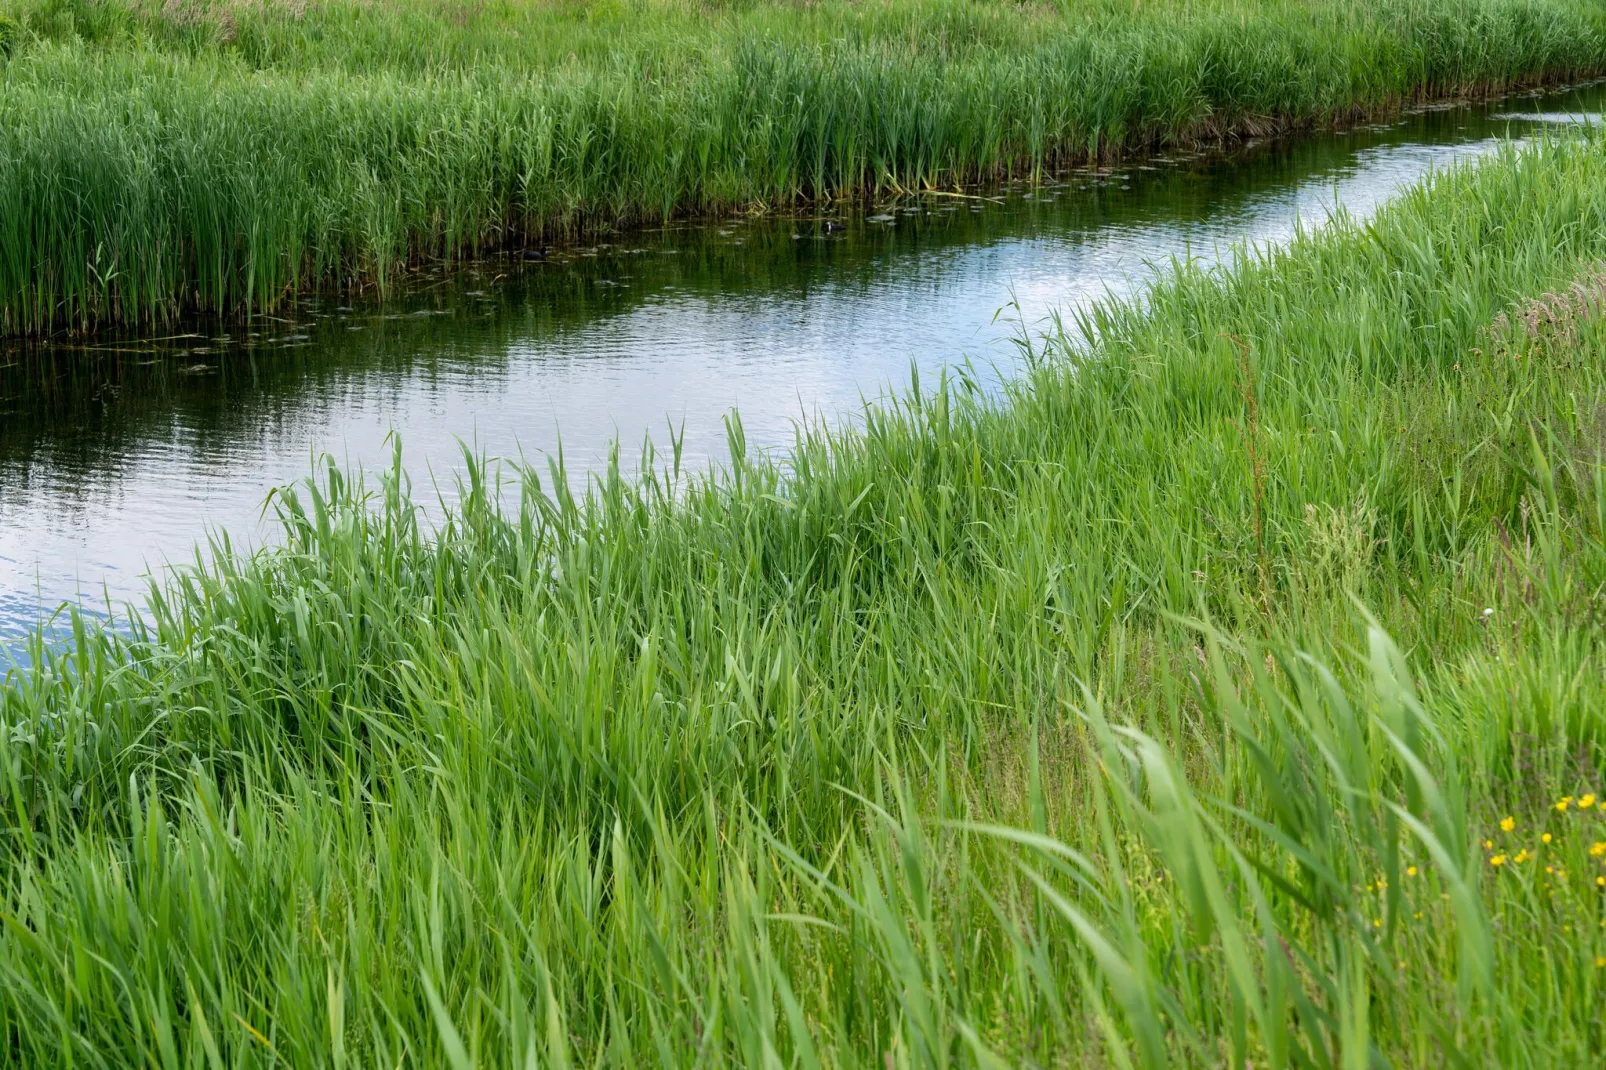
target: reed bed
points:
(1229, 693)
(160, 160)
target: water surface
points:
(117, 455)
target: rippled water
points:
(117, 455)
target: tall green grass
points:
(1049, 730)
(163, 159)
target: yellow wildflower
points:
(1488, 845)
(1586, 801)
(1600, 962)
(1508, 824)
(1410, 871)
(1564, 802)
(1377, 923)
(1601, 881)
(1597, 849)
(1500, 860)
(1522, 855)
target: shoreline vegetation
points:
(159, 160)
(1046, 730)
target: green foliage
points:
(987, 732)
(158, 159)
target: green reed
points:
(163, 159)
(985, 733)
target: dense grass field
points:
(1231, 693)
(164, 158)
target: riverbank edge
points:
(518, 248)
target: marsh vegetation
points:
(1230, 691)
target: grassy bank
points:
(161, 159)
(1048, 729)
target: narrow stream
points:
(117, 455)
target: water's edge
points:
(117, 454)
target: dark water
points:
(117, 455)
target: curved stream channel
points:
(117, 455)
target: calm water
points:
(116, 456)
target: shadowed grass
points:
(163, 159)
(1047, 729)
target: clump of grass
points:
(158, 160)
(965, 738)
